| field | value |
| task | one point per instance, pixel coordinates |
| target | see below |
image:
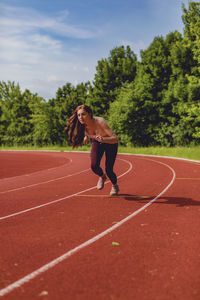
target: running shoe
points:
(100, 183)
(114, 190)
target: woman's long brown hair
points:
(76, 130)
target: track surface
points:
(60, 238)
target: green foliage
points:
(15, 126)
(112, 73)
(62, 107)
(41, 122)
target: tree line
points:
(151, 101)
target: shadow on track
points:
(179, 201)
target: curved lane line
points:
(61, 199)
(34, 173)
(61, 258)
(43, 182)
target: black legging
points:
(96, 154)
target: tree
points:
(186, 78)
(63, 106)
(40, 121)
(132, 115)
(183, 92)
(112, 74)
(153, 76)
(15, 114)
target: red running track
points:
(63, 239)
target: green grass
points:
(47, 148)
(192, 152)
(181, 152)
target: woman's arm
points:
(86, 139)
(107, 135)
(107, 139)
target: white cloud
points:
(18, 19)
(34, 51)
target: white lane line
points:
(61, 199)
(36, 172)
(61, 258)
(43, 182)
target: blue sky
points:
(46, 43)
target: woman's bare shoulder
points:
(100, 120)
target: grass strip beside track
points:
(190, 152)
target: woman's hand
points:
(86, 140)
(99, 138)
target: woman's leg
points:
(111, 153)
(96, 154)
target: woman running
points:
(83, 126)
